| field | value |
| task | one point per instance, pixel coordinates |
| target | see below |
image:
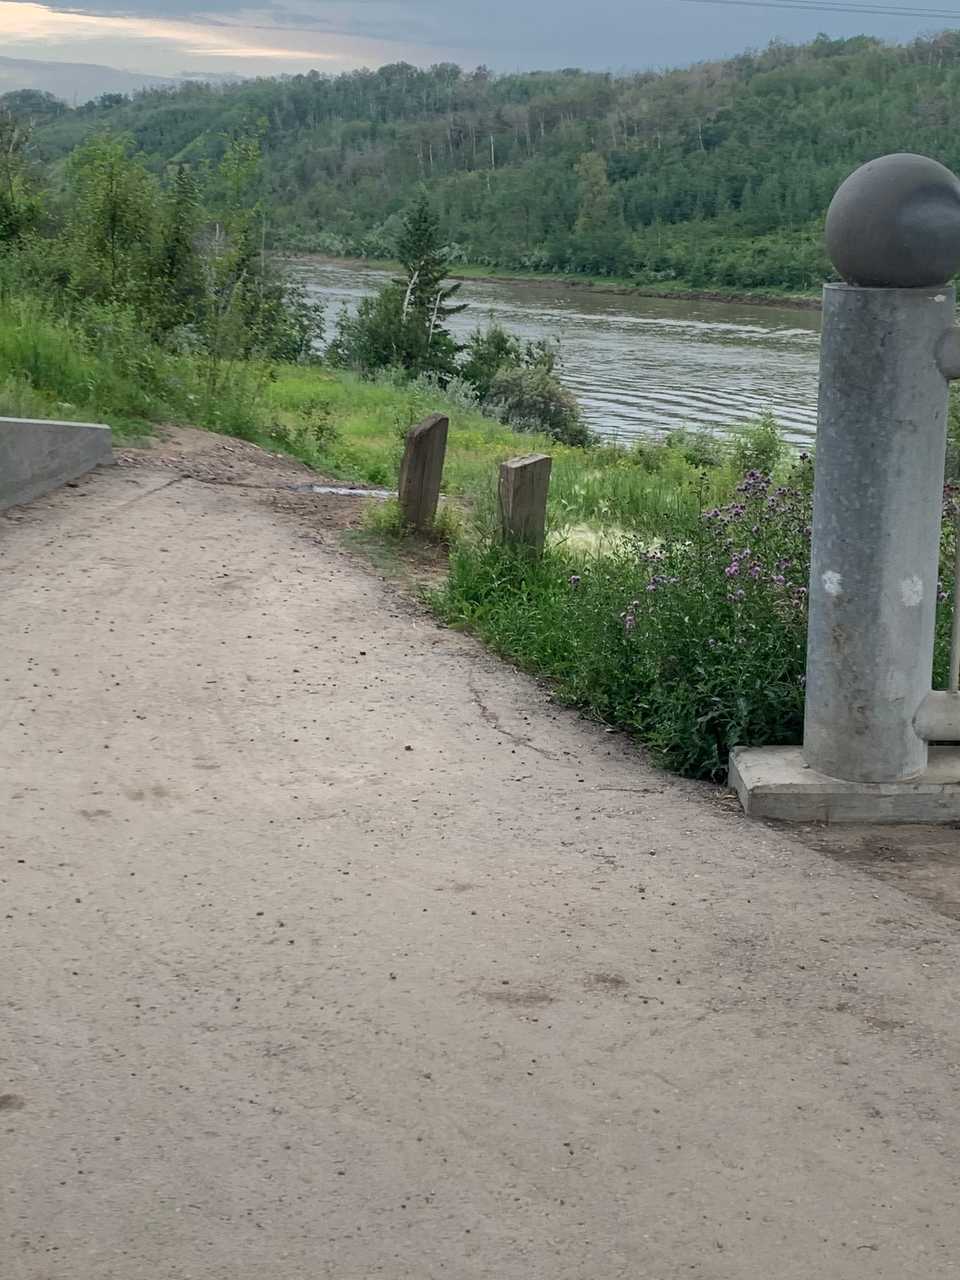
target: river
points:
(639, 366)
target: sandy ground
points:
(332, 949)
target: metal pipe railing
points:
(954, 685)
(938, 719)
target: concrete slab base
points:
(774, 782)
(37, 456)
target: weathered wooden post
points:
(422, 471)
(889, 348)
(524, 485)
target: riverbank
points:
(338, 423)
(353, 429)
(615, 286)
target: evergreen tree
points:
(427, 307)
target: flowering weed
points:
(696, 641)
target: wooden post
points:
(524, 484)
(422, 470)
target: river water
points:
(639, 366)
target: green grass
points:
(353, 429)
(96, 365)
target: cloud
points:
(250, 41)
(338, 34)
(25, 23)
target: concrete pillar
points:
(889, 347)
(524, 486)
(421, 471)
(881, 442)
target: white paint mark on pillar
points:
(897, 686)
(911, 591)
(832, 582)
(941, 297)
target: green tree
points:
(19, 206)
(596, 202)
(112, 227)
(179, 266)
(600, 241)
(427, 305)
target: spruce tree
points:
(426, 308)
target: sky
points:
(169, 37)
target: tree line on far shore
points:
(716, 176)
(142, 268)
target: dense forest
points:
(716, 176)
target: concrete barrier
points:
(37, 456)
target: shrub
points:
(759, 446)
(534, 399)
(487, 352)
(700, 449)
(384, 334)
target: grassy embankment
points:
(341, 425)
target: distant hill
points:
(716, 176)
(73, 82)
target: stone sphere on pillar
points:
(895, 224)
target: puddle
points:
(340, 492)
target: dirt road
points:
(332, 949)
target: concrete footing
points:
(774, 782)
(37, 456)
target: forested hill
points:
(714, 176)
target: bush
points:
(281, 323)
(698, 448)
(487, 353)
(759, 446)
(534, 399)
(382, 336)
(696, 643)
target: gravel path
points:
(332, 949)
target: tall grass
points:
(354, 428)
(695, 641)
(92, 362)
